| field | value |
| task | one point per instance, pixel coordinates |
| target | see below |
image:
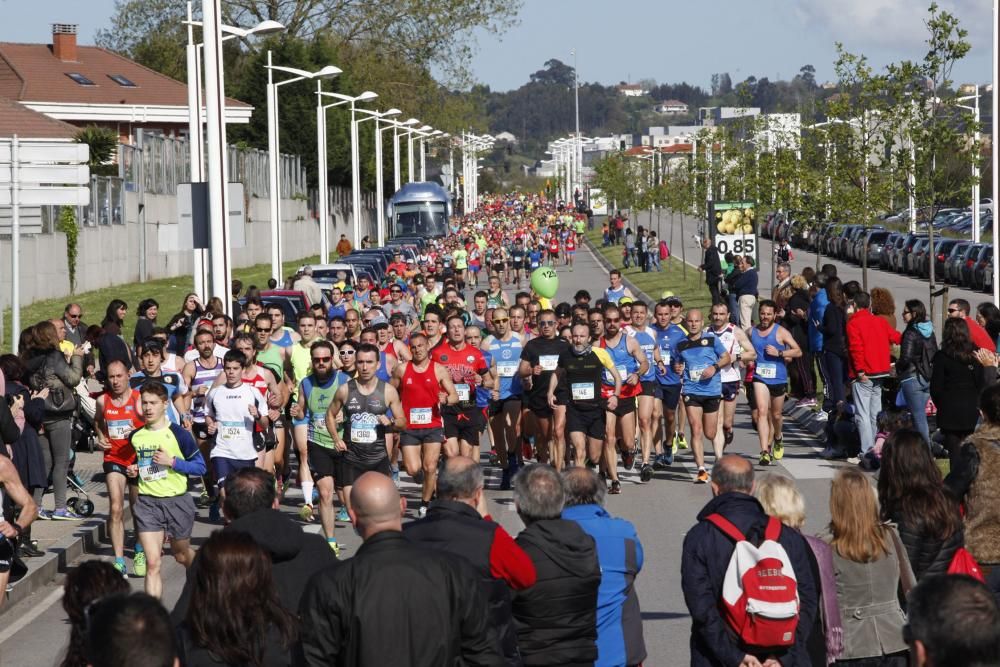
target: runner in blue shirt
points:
(774, 345)
(699, 357)
(668, 335)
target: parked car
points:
(942, 248)
(870, 244)
(887, 247)
(912, 261)
(969, 265)
(889, 251)
(899, 258)
(328, 274)
(953, 265)
(988, 277)
(840, 249)
(983, 263)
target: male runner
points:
(665, 413)
(677, 318)
(539, 359)
(774, 345)
(432, 327)
(281, 335)
(118, 414)
(741, 351)
(300, 361)
(700, 357)
(463, 422)
(646, 338)
(199, 374)
(505, 348)
(518, 321)
(166, 455)
(218, 349)
(517, 261)
(582, 369)
(352, 318)
(616, 290)
(316, 392)
(151, 362)
(570, 249)
(11, 531)
(232, 411)
(630, 360)
(423, 386)
(363, 404)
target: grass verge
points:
(684, 281)
(168, 292)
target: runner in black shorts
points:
(539, 359)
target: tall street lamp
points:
(379, 185)
(398, 179)
(975, 162)
(273, 148)
(355, 161)
(324, 198)
(409, 149)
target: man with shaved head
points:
(708, 547)
(345, 609)
(459, 522)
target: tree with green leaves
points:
(103, 145)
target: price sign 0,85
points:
(738, 244)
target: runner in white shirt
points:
(741, 351)
(231, 411)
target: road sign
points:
(46, 151)
(36, 195)
(732, 225)
(50, 174)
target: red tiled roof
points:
(28, 124)
(30, 72)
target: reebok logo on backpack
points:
(760, 598)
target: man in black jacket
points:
(556, 618)
(712, 267)
(395, 603)
(705, 559)
(252, 507)
(459, 522)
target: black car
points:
(969, 264)
(899, 261)
(942, 248)
(984, 263)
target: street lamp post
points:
(274, 156)
(975, 164)
(379, 187)
(395, 149)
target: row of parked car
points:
(956, 261)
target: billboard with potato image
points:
(733, 227)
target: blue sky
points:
(634, 39)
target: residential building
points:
(631, 89)
(671, 108)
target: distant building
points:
(88, 85)
(631, 90)
(671, 108)
(718, 115)
(506, 136)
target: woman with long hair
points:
(868, 570)
(912, 495)
(235, 616)
(958, 376)
(93, 580)
(834, 331)
(145, 322)
(913, 368)
(111, 345)
(48, 369)
(181, 326)
(988, 317)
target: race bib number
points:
(622, 372)
(119, 429)
(230, 430)
(582, 391)
(319, 422)
(767, 371)
(507, 370)
(695, 373)
(363, 434)
(549, 362)
(421, 416)
(150, 471)
(463, 392)
(665, 355)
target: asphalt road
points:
(35, 631)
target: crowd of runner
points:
(409, 373)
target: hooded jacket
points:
(295, 554)
(704, 562)
(556, 619)
(868, 341)
(817, 308)
(916, 351)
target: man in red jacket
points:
(960, 308)
(868, 341)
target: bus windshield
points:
(420, 219)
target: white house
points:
(671, 107)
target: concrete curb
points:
(804, 417)
(89, 535)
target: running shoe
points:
(306, 513)
(494, 458)
(673, 447)
(778, 449)
(31, 550)
(120, 566)
(65, 514)
(139, 563)
(422, 511)
(505, 479)
(395, 474)
(681, 442)
(616, 487)
(668, 458)
(727, 438)
(765, 458)
(701, 477)
(628, 459)
(335, 546)
(807, 403)
(204, 500)
(342, 515)
(45, 515)
(646, 472)
(214, 515)
(525, 449)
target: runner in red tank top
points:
(423, 386)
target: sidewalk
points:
(65, 541)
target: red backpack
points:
(760, 598)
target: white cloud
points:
(889, 24)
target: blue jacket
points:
(704, 561)
(745, 283)
(619, 552)
(816, 311)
